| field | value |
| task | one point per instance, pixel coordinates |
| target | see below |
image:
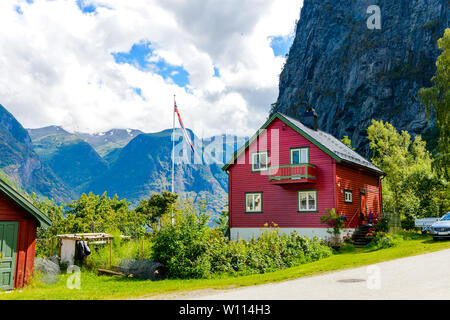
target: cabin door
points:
(8, 246)
(364, 204)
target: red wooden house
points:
(290, 172)
(18, 222)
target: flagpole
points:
(173, 146)
(173, 153)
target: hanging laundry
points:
(82, 250)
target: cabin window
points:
(253, 202)
(300, 155)
(260, 161)
(307, 201)
(348, 196)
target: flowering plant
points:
(271, 225)
(347, 238)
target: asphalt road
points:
(419, 277)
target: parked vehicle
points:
(425, 224)
(441, 228)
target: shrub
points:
(181, 245)
(190, 249)
(348, 239)
(408, 223)
(381, 241)
(337, 222)
(382, 224)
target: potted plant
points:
(337, 223)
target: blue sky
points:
(86, 8)
(281, 45)
(140, 56)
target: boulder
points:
(48, 269)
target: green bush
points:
(408, 223)
(190, 249)
(181, 244)
(382, 241)
(382, 225)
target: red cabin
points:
(19, 220)
(289, 173)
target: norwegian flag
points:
(183, 129)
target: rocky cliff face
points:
(351, 74)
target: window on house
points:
(253, 202)
(260, 161)
(348, 196)
(299, 155)
(307, 201)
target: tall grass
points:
(121, 249)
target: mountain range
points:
(55, 163)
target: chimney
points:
(310, 118)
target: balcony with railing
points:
(293, 173)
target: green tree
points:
(403, 160)
(431, 193)
(346, 140)
(437, 99)
(101, 214)
(222, 221)
(47, 240)
(156, 206)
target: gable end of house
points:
(25, 204)
(324, 141)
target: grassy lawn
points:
(103, 287)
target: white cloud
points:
(57, 66)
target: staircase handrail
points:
(349, 224)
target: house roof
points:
(324, 141)
(25, 204)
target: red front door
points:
(364, 205)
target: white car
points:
(441, 228)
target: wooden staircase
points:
(359, 235)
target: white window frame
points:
(258, 154)
(252, 195)
(300, 150)
(308, 193)
(346, 198)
